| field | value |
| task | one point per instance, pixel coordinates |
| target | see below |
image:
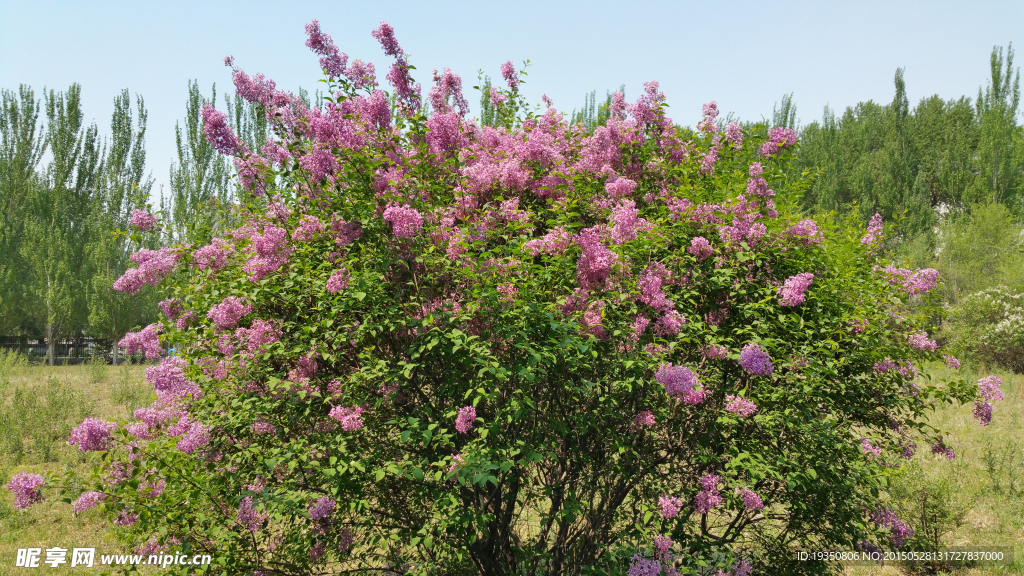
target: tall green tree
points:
(997, 114)
(58, 228)
(22, 145)
(124, 187)
(200, 179)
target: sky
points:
(743, 55)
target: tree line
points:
(67, 192)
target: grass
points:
(40, 404)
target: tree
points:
(22, 145)
(125, 187)
(439, 348)
(57, 229)
(997, 113)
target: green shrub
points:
(97, 369)
(988, 327)
(447, 349)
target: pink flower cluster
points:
(321, 508)
(740, 405)
(920, 341)
(700, 248)
(899, 531)
(92, 434)
(988, 389)
(755, 360)
(168, 379)
(792, 291)
(25, 488)
(213, 256)
(708, 497)
(750, 499)
(146, 340)
(405, 222)
(946, 451)
(643, 419)
(596, 260)
(195, 437)
(338, 281)
(680, 382)
(951, 361)
(872, 452)
(874, 232)
(913, 281)
(640, 566)
(714, 352)
(88, 500)
(309, 228)
(154, 266)
(466, 418)
(249, 517)
(351, 418)
(734, 134)
(271, 253)
(670, 506)
(756, 184)
(141, 220)
(230, 310)
(805, 232)
(778, 139)
(554, 242)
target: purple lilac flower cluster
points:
(249, 516)
(700, 248)
(466, 418)
(92, 434)
(872, 452)
(322, 508)
(146, 340)
(792, 291)
(805, 232)
(88, 500)
(778, 139)
(25, 487)
(714, 352)
(213, 256)
(670, 506)
(740, 405)
(734, 135)
(708, 497)
(755, 360)
(951, 361)
(644, 419)
(338, 280)
(914, 282)
(899, 531)
(154, 266)
(141, 220)
(874, 233)
(680, 382)
(920, 341)
(756, 184)
(750, 499)
(405, 222)
(351, 418)
(230, 310)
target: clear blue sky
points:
(745, 55)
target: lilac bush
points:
(426, 329)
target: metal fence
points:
(66, 351)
